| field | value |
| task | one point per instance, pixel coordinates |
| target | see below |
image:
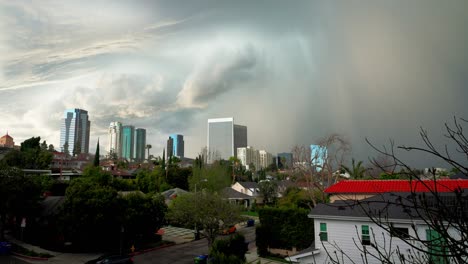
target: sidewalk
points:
(59, 257)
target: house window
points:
(400, 232)
(365, 235)
(323, 232)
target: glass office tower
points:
(74, 132)
(224, 137)
(128, 142)
(177, 145)
(115, 139)
(140, 144)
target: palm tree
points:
(357, 171)
(148, 147)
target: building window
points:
(400, 232)
(365, 235)
(323, 232)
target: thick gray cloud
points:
(291, 72)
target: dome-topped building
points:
(7, 141)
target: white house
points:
(345, 233)
(249, 188)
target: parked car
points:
(229, 230)
(112, 259)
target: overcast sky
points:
(291, 71)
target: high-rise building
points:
(74, 132)
(249, 156)
(224, 137)
(177, 145)
(318, 156)
(128, 142)
(115, 139)
(140, 144)
(266, 158)
(170, 146)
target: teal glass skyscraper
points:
(140, 144)
(128, 142)
(177, 148)
(74, 132)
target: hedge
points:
(284, 228)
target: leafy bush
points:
(230, 250)
(284, 228)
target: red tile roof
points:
(383, 186)
(7, 136)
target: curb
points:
(151, 249)
(29, 257)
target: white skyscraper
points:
(249, 156)
(115, 139)
(266, 158)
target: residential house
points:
(345, 232)
(249, 188)
(236, 197)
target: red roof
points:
(7, 136)
(383, 186)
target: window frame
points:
(365, 235)
(323, 234)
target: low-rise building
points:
(383, 228)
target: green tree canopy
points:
(30, 156)
(269, 191)
(211, 178)
(203, 210)
(19, 196)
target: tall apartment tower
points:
(128, 142)
(224, 138)
(175, 145)
(249, 156)
(140, 144)
(115, 139)
(74, 132)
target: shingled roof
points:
(393, 206)
(396, 186)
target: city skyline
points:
(292, 72)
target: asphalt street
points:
(11, 260)
(185, 253)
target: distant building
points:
(177, 145)
(170, 146)
(74, 132)
(140, 144)
(249, 156)
(284, 160)
(318, 156)
(128, 142)
(7, 141)
(115, 139)
(224, 138)
(266, 158)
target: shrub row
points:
(284, 228)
